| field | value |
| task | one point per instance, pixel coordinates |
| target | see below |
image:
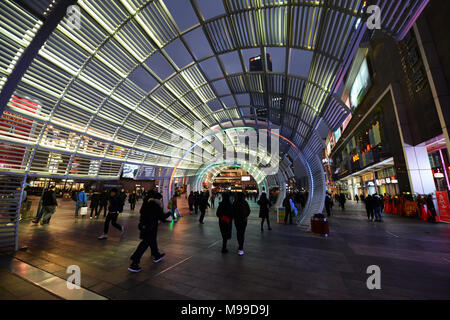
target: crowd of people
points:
(233, 209)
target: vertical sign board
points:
(444, 206)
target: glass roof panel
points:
(215, 105)
(198, 43)
(278, 58)
(211, 8)
(160, 66)
(300, 62)
(143, 79)
(231, 62)
(182, 12)
(211, 68)
(178, 52)
(221, 87)
(228, 101)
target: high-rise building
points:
(256, 63)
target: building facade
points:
(396, 140)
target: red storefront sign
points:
(444, 206)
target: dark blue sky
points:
(185, 17)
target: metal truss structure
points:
(81, 102)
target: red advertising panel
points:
(444, 206)
(18, 127)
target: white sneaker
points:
(122, 231)
(10, 224)
(102, 237)
(90, 218)
(241, 252)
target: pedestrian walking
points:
(264, 206)
(197, 197)
(103, 202)
(49, 205)
(241, 211)
(115, 207)
(95, 200)
(369, 203)
(225, 214)
(342, 200)
(151, 213)
(81, 201)
(203, 204)
(191, 202)
(122, 197)
(378, 207)
(328, 204)
(132, 199)
(213, 200)
(287, 209)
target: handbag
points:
(225, 219)
(83, 211)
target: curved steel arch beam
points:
(51, 22)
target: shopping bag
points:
(225, 219)
(83, 211)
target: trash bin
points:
(319, 225)
(280, 214)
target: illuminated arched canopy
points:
(137, 72)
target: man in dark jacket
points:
(369, 202)
(132, 199)
(115, 207)
(103, 200)
(264, 207)
(203, 204)
(196, 201)
(95, 199)
(378, 207)
(342, 200)
(328, 204)
(191, 202)
(287, 209)
(151, 213)
(225, 214)
(49, 205)
(123, 198)
(241, 211)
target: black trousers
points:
(370, 213)
(148, 240)
(104, 207)
(96, 211)
(111, 218)
(287, 216)
(132, 205)
(240, 232)
(328, 208)
(196, 209)
(268, 221)
(202, 214)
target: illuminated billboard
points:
(361, 85)
(130, 171)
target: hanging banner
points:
(443, 205)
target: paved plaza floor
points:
(285, 263)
